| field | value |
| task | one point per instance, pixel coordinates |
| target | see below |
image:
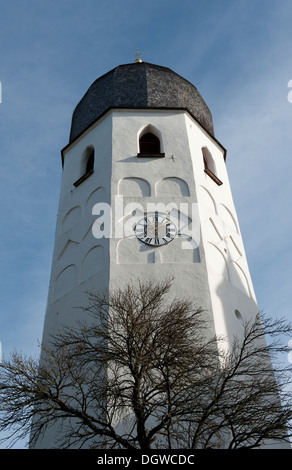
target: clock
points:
(155, 230)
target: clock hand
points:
(156, 223)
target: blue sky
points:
(238, 53)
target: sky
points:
(238, 53)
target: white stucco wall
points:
(229, 279)
(213, 269)
(207, 258)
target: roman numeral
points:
(170, 230)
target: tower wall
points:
(232, 295)
(160, 182)
(96, 246)
(206, 258)
(80, 261)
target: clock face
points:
(155, 230)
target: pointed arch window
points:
(149, 145)
(87, 165)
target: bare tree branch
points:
(141, 371)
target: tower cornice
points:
(112, 108)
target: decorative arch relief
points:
(216, 259)
(71, 218)
(98, 195)
(172, 187)
(92, 263)
(184, 249)
(130, 251)
(65, 281)
(180, 251)
(134, 187)
(227, 217)
(214, 230)
(233, 248)
(226, 257)
(239, 279)
(206, 200)
(68, 252)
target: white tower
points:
(142, 145)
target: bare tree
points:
(141, 371)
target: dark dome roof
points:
(139, 85)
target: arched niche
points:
(227, 217)
(172, 186)
(71, 218)
(216, 260)
(134, 187)
(213, 231)
(98, 195)
(65, 281)
(93, 262)
(68, 251)
(183, 250)
(239, 278)
(206, 200)
(126, 224)
(131, 251)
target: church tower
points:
(145, 194)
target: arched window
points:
(90, 162)
(87, 165)
(149, 144)
(209, 165)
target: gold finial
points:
(138, 60)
